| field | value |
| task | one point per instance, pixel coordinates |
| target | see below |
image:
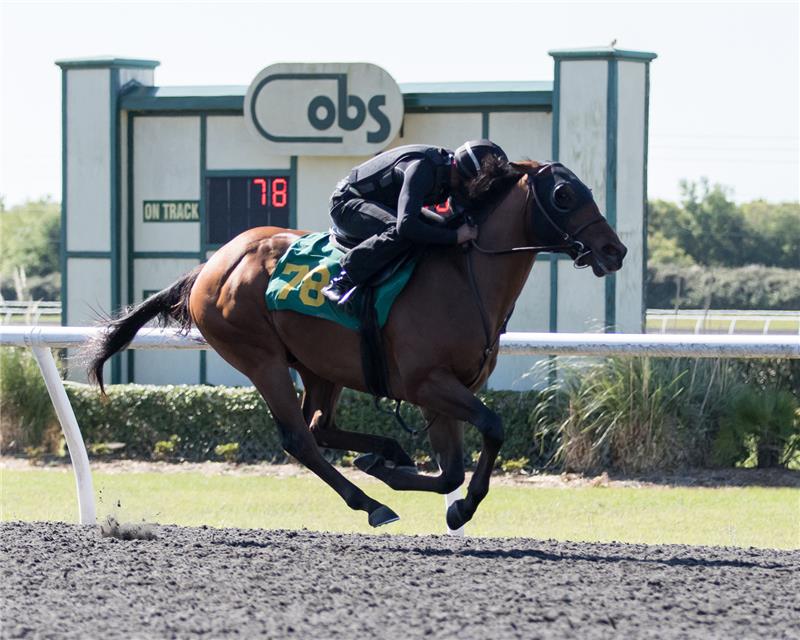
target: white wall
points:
(142, 76)
(581, 299)
(229, 145)
(582, 127)
(166, 167)
(163, 366)
(88, 160)
(523, 136)
(316, 178)
(630, 193)
(220, 372)
(449, 130)
(582, 123)
(88, 290)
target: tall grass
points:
(635, 414)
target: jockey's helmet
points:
(469, 156)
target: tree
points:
(777, 226)
(713, 229)
(30, 239)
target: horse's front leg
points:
(444, 393)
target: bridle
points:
(570, 244)
(570, 240)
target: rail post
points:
(72, 433)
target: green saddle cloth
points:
(309, 265)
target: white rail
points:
(683, 321)
(42, 339)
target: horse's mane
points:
(495, 179)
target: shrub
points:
(27, 418)
(515, 465)
(634, 414)
(630, 415)
(166, 449)
(758, 422)
(229, 451)
(201, 417)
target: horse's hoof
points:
(368, 461)
(456, 518)
(381, 516)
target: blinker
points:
(555, 182)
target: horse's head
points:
(565, 215)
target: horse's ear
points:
(525, 165)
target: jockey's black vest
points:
(376, 178)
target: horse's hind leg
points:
(269, 372)
(446, 438)
(319, 405)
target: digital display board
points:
(235, 204)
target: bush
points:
(229, 451)
(751, 287)
(27, 418)
(761, 424)
(192, 420)
(634, 414)
(625, 414)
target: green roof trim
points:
(107, 62)
(419, 95)
(211, 98)
(603, 53)
(480, 95)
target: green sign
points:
(171, 211)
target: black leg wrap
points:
(457, 515)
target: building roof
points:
(418, 96)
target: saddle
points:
(309, 264)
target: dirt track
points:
(63, 580)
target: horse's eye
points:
(564, 197)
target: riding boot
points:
(340, 288)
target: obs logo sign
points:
(324, 109)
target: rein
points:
(571, 242)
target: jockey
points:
(381, 204)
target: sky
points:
(724, 88)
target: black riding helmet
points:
(470, 155)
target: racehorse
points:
(441, 338)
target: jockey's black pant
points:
(375, 225)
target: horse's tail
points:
(170, 304)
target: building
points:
(156, 178)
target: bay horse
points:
(441, 338)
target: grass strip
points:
(735, 516)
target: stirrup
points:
(346, 297)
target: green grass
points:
(750, 516)
(743, 325)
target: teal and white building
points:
(156, 178)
